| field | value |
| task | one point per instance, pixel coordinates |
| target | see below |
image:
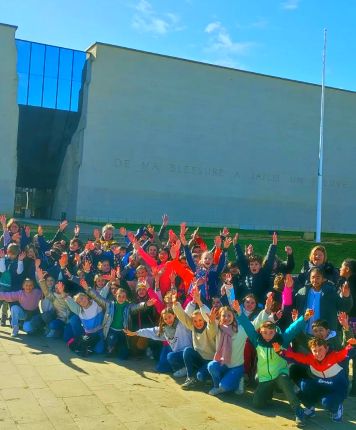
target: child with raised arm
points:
(206, 274)
(196, 357)
(329, 383)
(272, 370)
(170, 329)
(255, 277)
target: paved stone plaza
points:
(44, 386)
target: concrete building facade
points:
(205, 144)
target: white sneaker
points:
(241, 388)
(181, 373)
(51, 333)
(215, 391)
(15, 331)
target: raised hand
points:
(274, 238)
(37, 262)
(227, 242)
(225, 232)
(277, 347)
(183, 229)
(112, 275)
(77, 259)
(39, 273)
(344, 320)
(86, 266)
(289, 250)
(195, 233)
(63, 261)
(235, 239)
(249, 250)
(345, 290)
(236, 307)
(308, 314)
(2, 253)
(77, 230)
(16, 237)
(165, 220)
(295, 314)
(89, 246)
(123, 231)
(269, 302)
(22, 256)
(279, 314)
(172, 277)
(213, 315)
(118, 272)
(3, 221)
(289, 282)
(40, 230)
(352, 341)
(228, 278)
(63, 225)
(83, 283)
(131, 237)
(217, 241)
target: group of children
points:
(217, 323)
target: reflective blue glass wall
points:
(49, 76)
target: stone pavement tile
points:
(12, 380)
(7, 369)
(69, 388)
(18, 359)
(85, 406)
(45, 397)
(134, 409)
(96, 380)
(59, 415)
(26, 410)
(109, 393)
(4, 412)
(7, 424)
(30, 376)
(104, 422)
(43, 425)
(16, 393)
(56, 372)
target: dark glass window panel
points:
(78, 64)
(23, 56)
(49, 93)
(65, 63)
(22, 89)
(37, 59)
(63, 95)
(51, 63)
(74, 105)
(35, 90)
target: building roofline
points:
(49, 44)
(215, 66)
(8, 25)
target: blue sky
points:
(275, 37)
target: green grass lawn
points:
(338, 246)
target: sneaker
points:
(51, 334)
(241, 388)
(189, 384)
(309, 412)
(337, 416)
(299, 417)
(181, 373)
(215, 391)
(15, 331)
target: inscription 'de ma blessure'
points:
(177, 169)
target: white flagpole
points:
(321, 148)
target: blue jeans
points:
(31, 324)
(175, 359)
(163, 365)
(195, 363)
(225, 377)
(73, 328)
(332, 391)
(116, 340)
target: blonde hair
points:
(318, 248)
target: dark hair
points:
(318, 270)
(320, 323)
(250, 296)
(317, 342)
(253, 258)
(350, 263)
(268, 324)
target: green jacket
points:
(269, 364)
